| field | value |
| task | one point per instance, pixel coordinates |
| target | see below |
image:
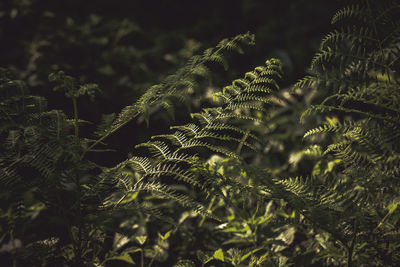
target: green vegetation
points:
(261, 172)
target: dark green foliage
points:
(359, 65)
(240, 184)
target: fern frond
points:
(260, 88)
(306, 82)
(229, 91)
(337, 146)
(191, 129)
(139, 164)
(196, 143)
(181, 158)
(224, 127)
(296, 186)
(218, 58)
(348, 34)
(250, 97)
(226, 137)
(178, 138)
(204, 117)
(211, 126)
(337, 127)
(240, 117)
(313, 151)
(183, 78)
(173, 170)
(366, 114)
(158, 148)
(165, 191)
(353, 11)
(356, 158)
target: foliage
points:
(253, 186)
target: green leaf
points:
(164, 237)
(283, 261)
(392, 208)
(124, 257)
(141, 239)
(245, 256)
(287, 236)
(219, 255)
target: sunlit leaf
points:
(219, 255)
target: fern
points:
(214, 124)
(176, 85)
(358, 63)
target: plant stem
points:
(78, 253)
(154, 257)
(76, 119)
(14, 260)
(351, 248)
(240, 146)
(208, 209)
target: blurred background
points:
(125, 46)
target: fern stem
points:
(367, 114)
(240, 145)
(362, 100)
(78, 248)
(14, 259)
(208, 210)
(76, 118)
(129, 191)
(120, 200)
(351, 248)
